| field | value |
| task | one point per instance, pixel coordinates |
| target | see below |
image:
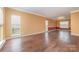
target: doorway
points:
(15, 26)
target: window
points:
(1, 24)
(15, 25)
(64, 24)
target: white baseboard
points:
(32, 34)
(28, 34)
(76, 34)
(2, 43)
(25, 35)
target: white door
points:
(15, 26)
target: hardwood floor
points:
(54, 41)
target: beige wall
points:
(51, 23)
(29, 23)
(75, 22)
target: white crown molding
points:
(75, 11)
(22, 10)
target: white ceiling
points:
(50, 12)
